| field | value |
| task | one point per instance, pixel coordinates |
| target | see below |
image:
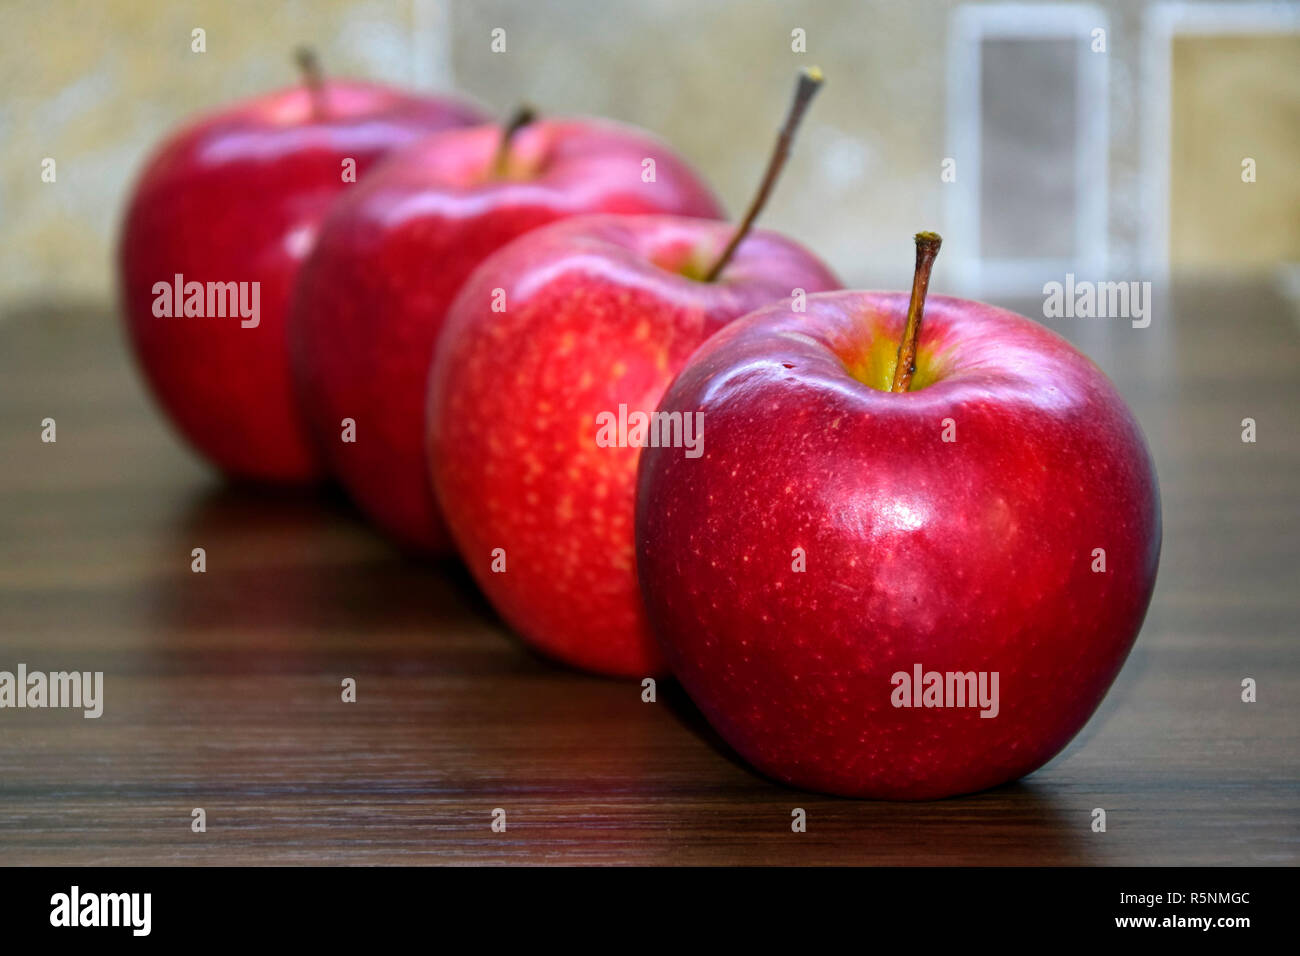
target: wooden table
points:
(223, 689)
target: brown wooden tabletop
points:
(222, 689)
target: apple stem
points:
(309, 66)
(810, 81)
(522, 116)
(927, 248)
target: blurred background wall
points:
(95, 84)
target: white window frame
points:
(971, 26)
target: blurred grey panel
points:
(1028, 164)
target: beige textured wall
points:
(95, 83)
(1235, 97)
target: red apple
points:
(601, 312)
(237, 197)
(390, 258)
(998, 516)
(529, 443)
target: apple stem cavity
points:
(312, 78)
(810, 81)
(927, 248)
(522, 116)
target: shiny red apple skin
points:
(973, 555)
(597, 316)
(371, 300)
(237, 197)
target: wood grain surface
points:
(223, 689)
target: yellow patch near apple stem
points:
(875, 367)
